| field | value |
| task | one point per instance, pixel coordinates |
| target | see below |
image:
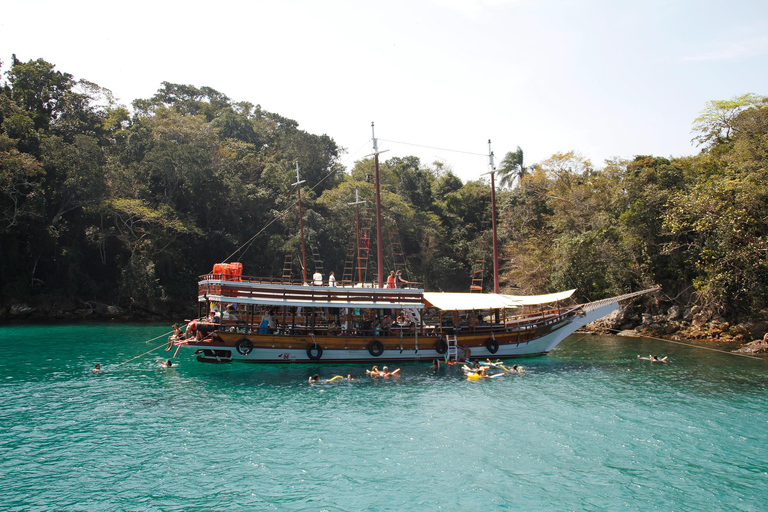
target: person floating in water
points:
(384, 372)
(315, 379)
(166, 364)
(653, 359)
(97, 368)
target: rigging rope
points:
(245, 246)
(433, 147)
(695, 346)
(138, 356)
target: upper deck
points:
(271, 292)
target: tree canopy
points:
(103, 202)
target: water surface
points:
(589, 427)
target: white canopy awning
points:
(532, 300)
(481, 301)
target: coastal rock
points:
(20, 310)
(701, 316)
(718, 329)
(114, 310)
(754, 347)
(674, 313)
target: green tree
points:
(512, 168)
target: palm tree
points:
(512, 168)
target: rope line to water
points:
(157, 337)
(696, 346)
(145, 353)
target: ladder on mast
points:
(287, 268)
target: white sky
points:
(602, 77)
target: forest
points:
(102, 205)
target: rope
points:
(600, 303)
(696, 346)
(244, 247)
(138, 356)
(433, 147)
(157, 337)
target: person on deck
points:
(317, 278)
(391, 279)
(399, 281)
(332, 280)
(386, 325)
(271, 321)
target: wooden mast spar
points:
(492, 172)
(379, 252)
(301, 227)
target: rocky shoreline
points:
(685, 324)
(67, 311)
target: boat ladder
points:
(453, 348)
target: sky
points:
(439, 78)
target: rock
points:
(674, 313)
(702, 317)
(629, 333)
(20, 310)
(114, 310)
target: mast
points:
(379, 256)
(301, 227)
(492, 172)
(357, 204)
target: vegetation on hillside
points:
(103, 203)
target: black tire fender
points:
(441, 346)
(314, 351)
(375, 348)
(492, 345)
(244, 346)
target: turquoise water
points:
(588, 427)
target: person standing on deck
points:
(391, 279)
(332, 280)
(399, 281)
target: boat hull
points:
(279, 348)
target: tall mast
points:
(357, 204)
(379, 256)
(301, 227)
(493, 220)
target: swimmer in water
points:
(165, 364)
(315, 379)
(97, 368)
